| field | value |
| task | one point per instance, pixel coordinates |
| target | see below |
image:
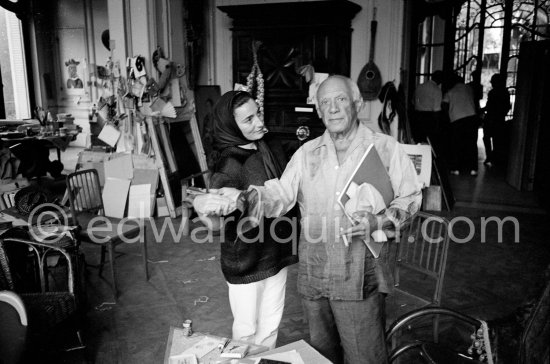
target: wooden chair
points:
(13, 335)
(87, 212)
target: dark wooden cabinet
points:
(292, 35)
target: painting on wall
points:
(73, 67)
(74, 81)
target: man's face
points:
(336, 106)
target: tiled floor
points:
(482, 279)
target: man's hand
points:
(364, 224)
(368, 226)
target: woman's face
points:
(246, 117)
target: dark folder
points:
(370, 170)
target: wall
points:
(387, 52)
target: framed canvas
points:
(421, 156)
(205, 99)
(72, 61)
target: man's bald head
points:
(350, 84)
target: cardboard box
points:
(162, 207)
(432, 198)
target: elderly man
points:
(341, 283)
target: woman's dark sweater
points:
(258, 258)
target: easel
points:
(165, 159)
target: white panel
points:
(117, 30)
(18, 67)
(139, 17)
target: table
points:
(60, 143)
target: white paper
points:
(183, 359)
(292, 357)
(121, 167)
(139, 205)
(109, 134)
(421, 156)
(203, 347)
(114, 196)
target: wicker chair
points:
(47, 311)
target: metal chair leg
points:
(144, 252)
(102, 260)
(111, 248)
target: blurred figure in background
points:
(498, 104)
(459, 103)
(428, 121)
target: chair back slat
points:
(84, 191)
(423, 249)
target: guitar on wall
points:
(370, 80)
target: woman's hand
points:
(214, 204)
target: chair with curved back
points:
(87, 210)
(519, 337)
(47, 310)
(13, 334)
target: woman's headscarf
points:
(227, 133)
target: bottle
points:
(187, 328)
(49, 123)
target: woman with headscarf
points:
(253, 262)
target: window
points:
(501, 26)
(13, 68)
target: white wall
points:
(387, 51)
